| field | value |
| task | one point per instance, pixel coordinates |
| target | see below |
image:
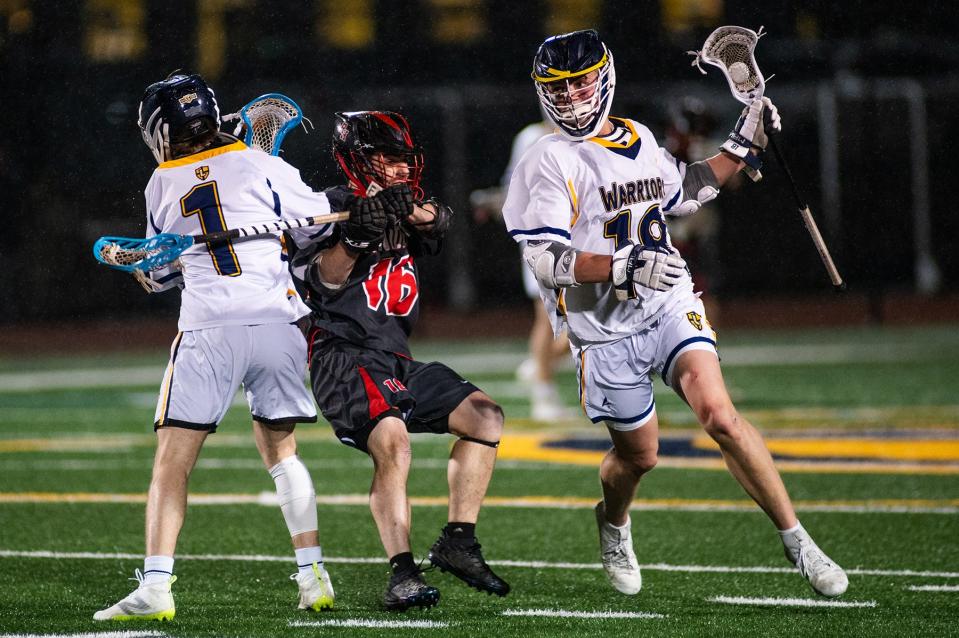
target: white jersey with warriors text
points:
(245, 281)
(596, 195)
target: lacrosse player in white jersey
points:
(589, 201)
(237, 325)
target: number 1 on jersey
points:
(204, 199)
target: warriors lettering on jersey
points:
(596, 196)
(641, 190)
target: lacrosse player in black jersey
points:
(362, 286)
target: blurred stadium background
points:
(856, 393)
(866, 93)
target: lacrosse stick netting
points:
(268, 119)
(728, 46)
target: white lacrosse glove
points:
(705, 195)
(635, 264)
(750, 133)
(239, 129)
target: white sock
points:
(793, 538)
(157, 569)
(306, 556)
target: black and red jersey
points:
(379, 303)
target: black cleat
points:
(409, 590)
(463, 558)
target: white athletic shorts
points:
(615, 382)
(207, 367)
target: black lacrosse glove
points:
(397, 200)
(363, 231)
(435, 228)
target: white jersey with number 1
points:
(595, 195)
(243, 282)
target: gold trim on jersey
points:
(582, 380)
(556, 74)
(575, 200)
(199, 157)
(561, 302)
(633, 135)
(168, 379)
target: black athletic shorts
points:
(356, 387)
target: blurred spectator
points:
(546, 352)
(689, 137)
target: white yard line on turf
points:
(98, 634)
(563, 613)
(656, 567)
(933, 588)
(372, 624)
(790, 602)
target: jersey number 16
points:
(650, 232)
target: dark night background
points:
(73, 166)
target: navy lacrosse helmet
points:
(179, 112)
(575, 80)
(361, 139)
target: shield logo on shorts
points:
(203, 172)
(696, 319)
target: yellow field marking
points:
(854, 448)
(76, 443)
(531, 501)
(529, 447)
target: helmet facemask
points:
(579, 109)
(375, 150)
(372, 170)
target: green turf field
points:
(864, 423)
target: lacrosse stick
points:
(731, 50)
(267, 120)
(130, 254)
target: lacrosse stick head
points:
(731, 50)
(130, 254)
(268, 119)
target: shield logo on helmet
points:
(202, 172)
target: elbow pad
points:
(553, 264)
(698, 179)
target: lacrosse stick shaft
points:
(268, 227)
(807, 218)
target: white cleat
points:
(550, 411)
(147, 602)
(826, 577)
(619, 560)
(547, 406)
(316, 591)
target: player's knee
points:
(488, 422)
(389, 443)
(720, 421)
(639, 462)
